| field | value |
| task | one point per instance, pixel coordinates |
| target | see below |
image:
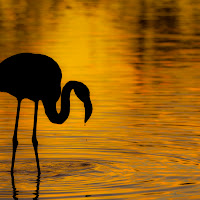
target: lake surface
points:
(141, 61)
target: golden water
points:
(141, 62)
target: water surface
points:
(140, 60)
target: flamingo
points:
(38, 77)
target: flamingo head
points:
(83, 93)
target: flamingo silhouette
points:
(37, 77)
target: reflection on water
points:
(140, 60)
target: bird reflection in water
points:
(15, 192)
(38, 77)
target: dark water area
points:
(140, 59)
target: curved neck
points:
(50, 106)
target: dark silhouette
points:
(37, 77)
(15, 191)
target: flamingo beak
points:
(88, 109)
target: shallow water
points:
(140, 60)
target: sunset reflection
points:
(140, 60)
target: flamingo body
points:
(32, 76)
(38, 77)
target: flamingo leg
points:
(34, 138)
(15, 142)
